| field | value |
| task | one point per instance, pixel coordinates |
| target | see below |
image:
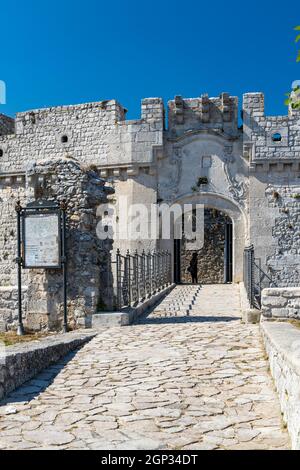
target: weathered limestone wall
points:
(11, 190)
(274, 189)
(281, 302)
(274, 225)
(260, 129)
(282, 346)
(9, 306)
(7, 125)
(132, 200)
(243, 170)
(204, 143)
(84, 191)
(92, 133)
(203, 113)
(87, 255)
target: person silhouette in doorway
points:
(193, 268)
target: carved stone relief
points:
(238, 189)
(169, 188)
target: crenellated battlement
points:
(7, 125)
(98, 133)
(92, 133)
(269, 138)
(203, 113)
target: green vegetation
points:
(202, 180)
(293, 98)
(296, 40)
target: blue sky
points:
(67, 52)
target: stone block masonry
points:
(274, 137)
(22, 362)
(282, 345)
(91, 133)
(7, 125)
(82, 189)
(9, 306)
(281, 303)
(251, 174)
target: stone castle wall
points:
(7, 125)
(93, 133)
(84, 191)
(148, 163)
(260, 132)
(272, 146)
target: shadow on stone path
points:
(32, 388)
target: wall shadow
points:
(31, 389)
(185, 319)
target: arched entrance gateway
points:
(220, 260)
(214, 259)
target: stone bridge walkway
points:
(183, 378)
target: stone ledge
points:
(282, 343)
(128, 315)
(22, 362)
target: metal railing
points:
(138, 276)
(255, 279)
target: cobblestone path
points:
(189, 376)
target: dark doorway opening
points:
(214, 258)
(177, 259)
(228, 253)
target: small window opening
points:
(64, 139)
(276, 137)
(1, 153)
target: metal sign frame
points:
(36, 208)
(27, 212)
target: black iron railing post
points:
(119, 280)
(249, 275)
(148, 270)
(20, 330)
(154, 271)
(64, 264)
(137, 275)
(129, 276)
(140, 276)
(164, 268)
(252, 277)
(152, 274)
(160, 269)
(143, 265)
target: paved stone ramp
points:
(172, 381)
